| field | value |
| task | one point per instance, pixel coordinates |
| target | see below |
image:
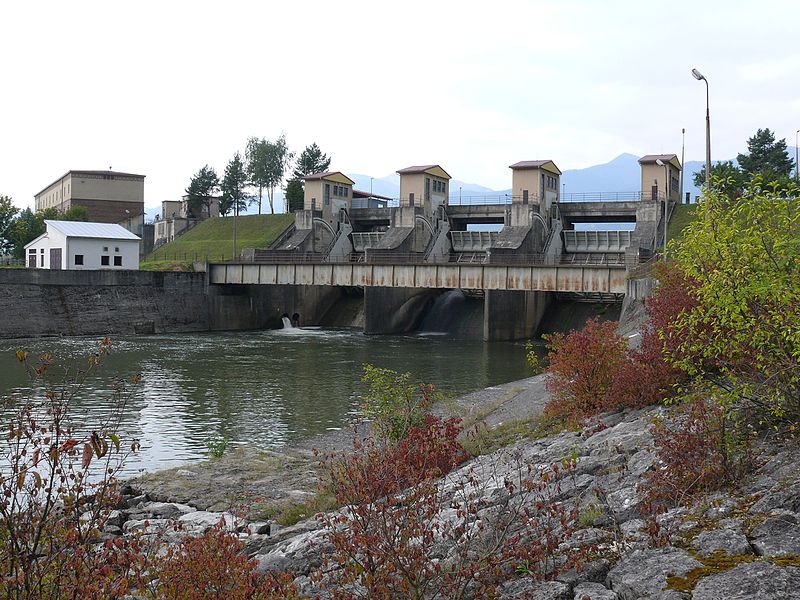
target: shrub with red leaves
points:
(214, 566)
(696, 453)
(583, 366)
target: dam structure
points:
(402, 253)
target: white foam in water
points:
(287, 324)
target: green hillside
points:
(681, 217)
(213, 240)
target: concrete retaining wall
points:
(42, 302)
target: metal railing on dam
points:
(582, 278)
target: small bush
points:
(699, 450)
(217, 444)
(393, 404)
(214, 566)
(57, 487)
(584, 366)
(396, 543)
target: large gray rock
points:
(779, 496)
(200, 521)
(643, 574)
(728, 541)
(593, 591)
(529, 589)
(776, 536)
(627, 437)
(756, 580)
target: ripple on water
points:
(264, 389)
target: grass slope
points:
(681, 217)
(213, 240)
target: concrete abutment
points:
(512, 315)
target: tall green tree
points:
(294, 195)
(256, 154)
(278, 159)
(743, 257)
(26, 227)
(234, 187)
(7, 213)
(311, 160)
(727, 177)
(201, 191)
(766, 157)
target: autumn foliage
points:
(594, 371)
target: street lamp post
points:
(661, 163)
(699, 76)
(683, 148)
(796, 162)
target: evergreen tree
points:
(201, 190)
(294, 195)
(234, 187)
(766, 157)
(311, 160)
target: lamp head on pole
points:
(659, 162)
(698, 75)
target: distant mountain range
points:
(621, 174)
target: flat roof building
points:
(107, 196)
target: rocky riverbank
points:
(742, 543)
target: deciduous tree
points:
(7, 213)
(278, 158)
(726, 176)
(743, 335)
(256, 155)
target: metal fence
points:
(611, 197)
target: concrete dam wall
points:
(42, 303)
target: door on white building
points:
(32, 260)
(55, 258)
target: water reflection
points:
(266, 388)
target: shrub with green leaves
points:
(743, 334)
(394, 404)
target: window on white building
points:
(79, 259)
(117, 261)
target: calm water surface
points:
(265, 389)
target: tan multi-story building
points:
(107, 196)
(660, 178)
(424, 185)
(327, 192)
(535, 182)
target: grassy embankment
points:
(681, 217)
(213, 240)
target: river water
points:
(265, 389)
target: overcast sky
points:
(162, 88)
